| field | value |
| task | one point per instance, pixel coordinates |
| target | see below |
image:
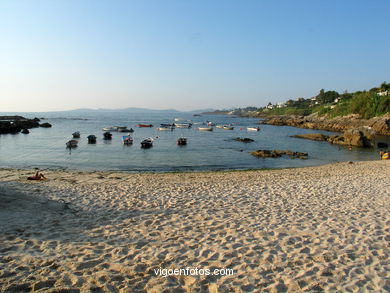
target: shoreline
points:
(321, 228)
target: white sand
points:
(311, 229)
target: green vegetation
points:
(367, 104)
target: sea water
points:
(45, 148)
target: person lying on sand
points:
(37, 176)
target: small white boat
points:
(127, 139)
(205, 129)
(253, 128)
(72, 143)
(209, 123)
(147, 143)
(228, 127)
(219, 126)
(183, 125)
(179, 119)
(164, 128)
(110, 128)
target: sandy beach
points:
(314, 229)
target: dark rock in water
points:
(46, 125)
(382, 145)
(245, 139)
(15, 124)
(25, 131)
(36, 119)
(312, 136)
(279, 153)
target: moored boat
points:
(72, 143)
(228, 127)
(76, 134)
(209, 123)
(219, 126)
(183, 125)
(107, 135)
(91, 138)
(145, 125)
(165, 128)
(205, 129)
(123, 129)
(147, 143)
(253, 128)
(110, 128)
(127, 139)
(182, 141)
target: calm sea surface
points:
(45, 147)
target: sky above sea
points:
(62, 55)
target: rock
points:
(380, 125)
(245, 139)
(15, 124)
(382, 145)
(279, 153)
(46, 125)
(312, 136)
(351, 137)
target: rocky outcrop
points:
(360, 137)
(278, 154)
(381, 125)
(15, 124)
(312, 136)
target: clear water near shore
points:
(45, 147)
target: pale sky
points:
(186, 55)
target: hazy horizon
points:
(186, 55)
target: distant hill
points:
(127, 110)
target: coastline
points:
(297, 229)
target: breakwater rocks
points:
(279, 153)
(381, 125)
(360, 137)
(16, 124)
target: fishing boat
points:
(205, 129)
(107, 135)
(110, 128)
(127, 139)
(183, 125)
(72, 143)
(147, 143)
(145, 125)
(182, 141)
(91, 138)
(167, 125)
(253, 128)
(76, 134)
(228, 127)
